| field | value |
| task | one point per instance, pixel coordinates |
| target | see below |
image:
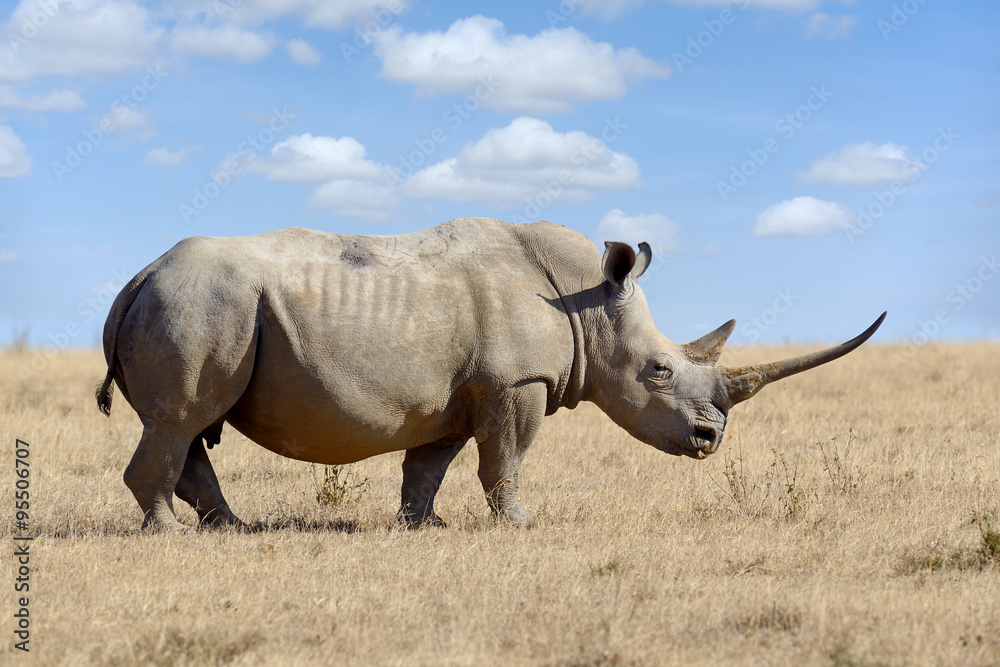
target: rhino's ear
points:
(619, 259)
(706, 350)
(642, 260)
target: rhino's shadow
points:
(584, 299)
(302, 525)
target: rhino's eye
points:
(658, 373)
(663, 369)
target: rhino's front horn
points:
(743, 382)
(707, 349)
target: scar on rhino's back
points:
(357, 256)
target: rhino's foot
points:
(155, 526)
(413, 521)
(516, 516)
(222, 517)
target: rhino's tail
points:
(112, 325)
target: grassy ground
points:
(850, 518)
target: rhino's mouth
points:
(704, 440)
(699, 443)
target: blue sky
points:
(799, 165)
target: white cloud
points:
(522, 161)
(547, 73)
(302, 53)
(161, 157)
(98, 39)
(803, 216)
(91, 38)
(827, 27)
(226, 42)
(320, 13)
(654, 228)
(307, 159)
(14, 159)
(351, 184)
(135, 121)
(55, 100)
(361, 199)
(864, 164)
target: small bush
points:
(754, 498)
(337, 488)
(612, 567)
(795, 499)
(989, 545)
(844, 476)
(749, 498)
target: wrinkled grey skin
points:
(331, 348)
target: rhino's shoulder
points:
(558, 248)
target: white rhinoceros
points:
(332, 348)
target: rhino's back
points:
(438, 292)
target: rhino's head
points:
(671, 396)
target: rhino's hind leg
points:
(423, 470)
(198, 485)
(153, 473)
(187, 358)
(504, 438)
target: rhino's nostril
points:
(705, 436)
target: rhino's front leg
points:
(504, 438)
(423, 470)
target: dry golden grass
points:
(766, 553)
